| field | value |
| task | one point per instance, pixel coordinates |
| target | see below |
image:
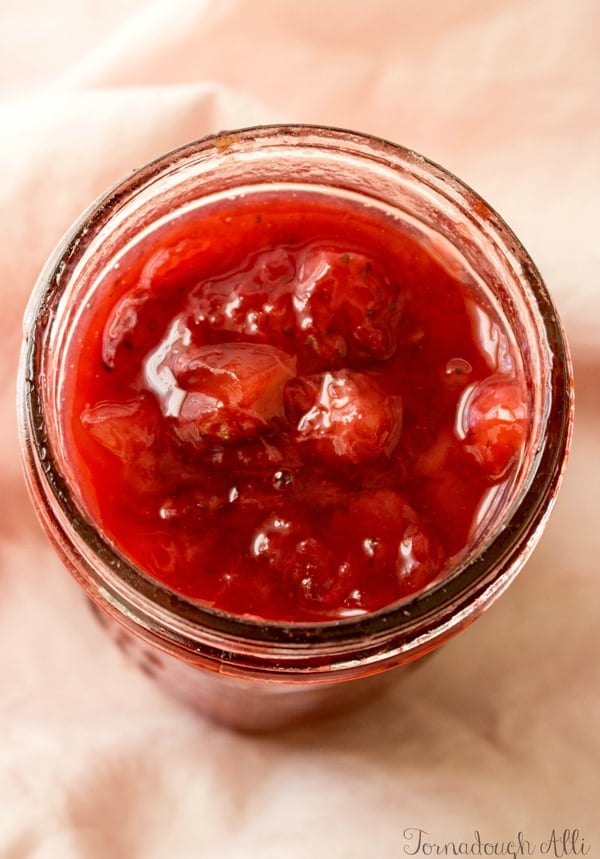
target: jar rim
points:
(446, 602)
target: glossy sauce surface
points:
(290, 407)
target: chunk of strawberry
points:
(351, 419)
(157, 277)
(302, 569)
(345, 305)
(125, 429)
(255, 302)
(493, 421)
(221, 392)
(130, 430)
(386, 543)
(121, 321)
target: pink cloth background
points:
(500, 730)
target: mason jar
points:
(249, 672)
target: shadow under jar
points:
(294, 407)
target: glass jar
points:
(249, 673)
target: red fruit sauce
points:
(291, 407)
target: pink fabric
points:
(498, 732)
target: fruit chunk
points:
(344, 306)
(255, 302)
(223, 392)
(300, 562)
(164, 268)
(124, 428)
(493, 418)
(386, 548)
(385, 552)
(350, 419)
(283, 538)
